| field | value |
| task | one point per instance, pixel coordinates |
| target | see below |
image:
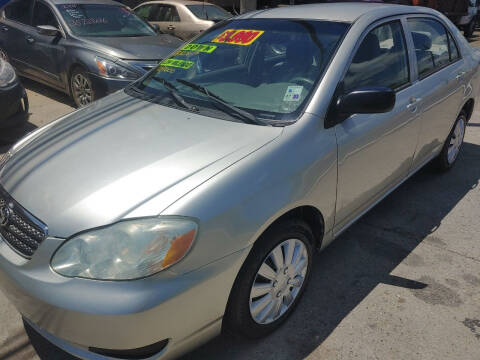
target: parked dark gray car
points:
(86, 49)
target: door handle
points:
(460, 75)
(4, 28)
(171, 27)
(412, 106)
(30, 40)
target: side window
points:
(431, 45)
(168, 13)
(454, 55)
(381, 59)
(43, 15)
(19, 10)
(144, 12)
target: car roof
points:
(102, 2)
(343, 12)
(183, 2)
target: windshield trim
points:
(307, 101)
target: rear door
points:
(167, 19)
(441, 76)
(15, 22)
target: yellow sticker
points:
(182, 64)
(200, 48)
(238, 36)
(165, 69)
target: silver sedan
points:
(193, 200)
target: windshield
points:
(266, 67)
(102, 20)
(208, 12)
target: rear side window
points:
(381, 60)
(431, 45)
(42, 15)
(454, 55)
(19, 10)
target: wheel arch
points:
(468, 108)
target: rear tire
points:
(284, 254)
(447, 158)
(469, 29)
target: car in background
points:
(182, 18)
(83, 48)
(13, 98)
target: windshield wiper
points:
(174, 92)
(244, 114)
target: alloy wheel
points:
(82, 90)
(3, 55)
(456, 140)
(278, 281)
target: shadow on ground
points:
(47, 91)
(346, 272)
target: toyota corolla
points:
(139, 226)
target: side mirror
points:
(368, 100)
(47, 30)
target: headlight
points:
(7, 74)
(126, 250)
(110, 69)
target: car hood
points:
(102, 163)
(136, 48)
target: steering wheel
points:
(302, 81)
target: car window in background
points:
(103, 20)
(431, 45)
(253, 64)
(381, 59)
(209, 12)
(147, 12)
(167, 13)
(19, 10)
(42, 15)
(454, 55)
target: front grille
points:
(23, 232)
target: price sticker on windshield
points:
(200, 48)
(238, 36)
(182, 64)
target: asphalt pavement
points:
(402, 283)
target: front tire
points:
(447, 158)
(81, 88)
(272, 280)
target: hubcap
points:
(456, 141)
(278, 281)
(82, 90)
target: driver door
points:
(46, 53)
(375, 151)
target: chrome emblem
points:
(5, 213)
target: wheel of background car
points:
(447, 158)
(272, 279)
(469, 29)
(302, 81)
(81, 88)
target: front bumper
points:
(104, 86)
(76, 314)
(13, 104)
